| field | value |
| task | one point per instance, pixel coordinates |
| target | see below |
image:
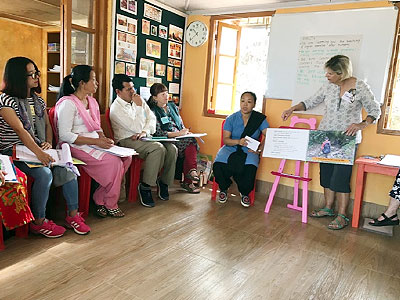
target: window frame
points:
(99, 32)
(218, 55)
(211, 56)
(391, 82)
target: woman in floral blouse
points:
(344, 97)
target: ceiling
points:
(45, 13)
(212, 7)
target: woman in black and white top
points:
(344, 97)
(24, 120)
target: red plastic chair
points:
(296, 176)
(215, 184)
(84, 180)
(134, 170)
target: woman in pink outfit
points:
(78, 123)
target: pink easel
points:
(297, 178)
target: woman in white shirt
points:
(78, 123)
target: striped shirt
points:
(8, 137)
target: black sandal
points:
(190, 188)
(194, 179)
(101, 211)
(115, 213)
(387, 221)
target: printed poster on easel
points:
(310, 145)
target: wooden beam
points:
(26, 20)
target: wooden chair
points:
(134, 170)
(297, 178)
(215, 184)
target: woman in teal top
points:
(234, 158)
(170, 124)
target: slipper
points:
(101, 211)
(336, 225)
(190, 188)
(115, 213)
(329, 213)
(387, 221)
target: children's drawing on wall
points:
(175, 33)
(145, 27)
(152, 12)
(162, 32)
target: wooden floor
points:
(192, 248)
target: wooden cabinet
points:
(51, 74)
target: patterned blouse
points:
(181, 144)
(339, 114)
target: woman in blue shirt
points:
(234, 158)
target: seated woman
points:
(78, 123)
(389, 217)
(24, 120)
(170, 124)
(14, 208)
(234, 158)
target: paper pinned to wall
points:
(314, 51)
(174, 88)
(376, 26)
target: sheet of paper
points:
(174, 88)
(145, 92)
(195, 135)
(390, 160)
(6, 165)
(117, 151)
(24, 154)
(252, 143)
(286, 143)
(155, 139)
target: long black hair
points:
(71, 82)
(15, 79)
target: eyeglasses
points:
(34, 75)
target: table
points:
(366, 165)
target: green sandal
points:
(329, 213)
(336, 225)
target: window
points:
(83, 30)
(389, 123)
(238, 54)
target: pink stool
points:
(297, 178)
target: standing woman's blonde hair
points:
(341, 65)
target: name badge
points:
(348, 97)
(164, 120)
(32, 110)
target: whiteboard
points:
(374, 26)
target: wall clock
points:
(196, 33)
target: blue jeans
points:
(41, 187)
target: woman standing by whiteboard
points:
(344, 97)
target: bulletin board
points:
(148, 45)
(365, 35)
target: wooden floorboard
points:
(193, 248)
